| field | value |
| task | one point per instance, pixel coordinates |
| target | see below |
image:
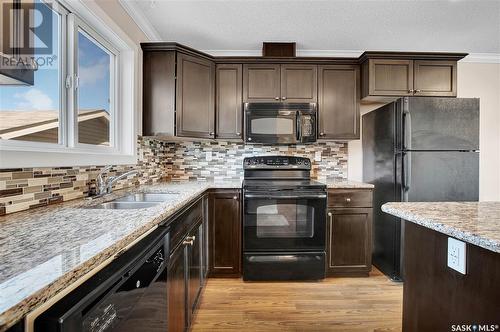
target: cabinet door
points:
(229, 102)
(435, 78)
(194, 250)
(338, 106)
(299, 83)
(195, 97)
(261, 82)
(390, 77)
(177, 291)
(349, 242)
(225, 234)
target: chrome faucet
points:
(113, 179)
(105, 186)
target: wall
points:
(480, 80)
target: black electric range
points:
(284, 220)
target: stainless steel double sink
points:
(136, 201)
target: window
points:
(33, 113)
(73, 106)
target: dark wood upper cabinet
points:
(435, 78)
(228, 101)
(408, 74)
(225, 233)
(195, 97)
(338, 103)
(261, 82)
(158, 94)
(390, 77)
(299, 83)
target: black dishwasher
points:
(130, 294)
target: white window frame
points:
(68, 151)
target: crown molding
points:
(136, 14)
(482, 58)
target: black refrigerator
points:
(418, 149)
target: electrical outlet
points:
(456, 255)
(317, 156)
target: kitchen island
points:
(435, 296)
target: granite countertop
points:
(477, 223)
(44, 250)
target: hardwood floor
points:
(335, 304)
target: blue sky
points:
(44, 95)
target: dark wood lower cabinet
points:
(194, 273)
(177, 290)
(349, 233)
(224, 233)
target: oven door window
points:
(284, 220)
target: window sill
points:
(24, 159)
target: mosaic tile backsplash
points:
(26, 188)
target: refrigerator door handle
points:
(407, 127)
(406, 175)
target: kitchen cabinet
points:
(194, 249)
(194, 97)
(279, 83)
(299, 83)
(179, 92)
(225, 233)
(419, 75)
(388, 77)
(185, 272)
(177, 290)
(228, 101)
(435, 78)
(261, 82)
(349, 232)
(338, 103)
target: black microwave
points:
(280, 123)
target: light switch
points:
(456, 255)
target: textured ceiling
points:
(469, 26)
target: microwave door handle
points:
(299, 125)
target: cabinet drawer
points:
(181, 225)
(345, 198)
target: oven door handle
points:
(264, 196)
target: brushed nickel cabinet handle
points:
(188, 242)
(330, 215)
(321, 134)
(277, 98)
(235, 197)
(348, 200)
(418, 90)
(411, 91)
(238, 134)
(212, 133)
(283, 98)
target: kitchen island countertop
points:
(477, 223)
